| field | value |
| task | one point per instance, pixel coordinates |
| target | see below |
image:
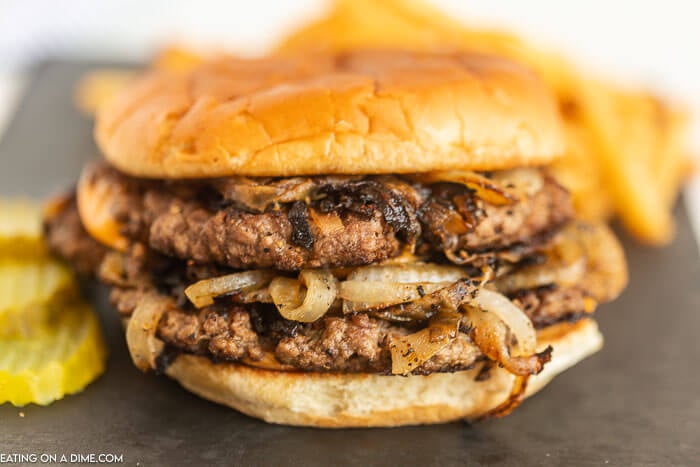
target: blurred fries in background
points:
(99, 87)
(96, 88)
(627, 154)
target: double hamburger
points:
(370, 238)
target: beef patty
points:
(66, 236)
(249, 332)
(323, 221)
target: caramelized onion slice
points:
(389, 293)
(514, 318)
(376, 287)
(257, 196)
(294, 304)
(329, 224)
(253, 296)
(491, 335)
(202, 293)
(527, 181)
(111, 269)
(381, 295)
(606, 268)
(141, 339)
(410, 352)
(485, 188)
(565, 264)
(411, 273)
(542, 274)
(515, 397)
(444, 299)
(407, 257)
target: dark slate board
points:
(637, 402)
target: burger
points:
(370, 238)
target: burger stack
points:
(366, 238)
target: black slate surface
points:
(637, 402)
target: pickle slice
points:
(61, 361)
(20, 229)
(28, 293)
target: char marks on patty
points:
(341, 221)
(249, 332)
(351, 343)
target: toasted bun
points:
(360, 112)
(336, 400)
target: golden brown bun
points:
(368, 111)
(366, 400)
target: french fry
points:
(580, 173)
(643, 154)
(177, 58)
(97, 88)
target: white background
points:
(654, 43)
(650, 41)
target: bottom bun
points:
(338, 400)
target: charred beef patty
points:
(323, 221)
(249, 332)
(354, 343)
(66, 236)
(351, 343)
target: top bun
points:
(359, 112)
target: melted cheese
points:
(94, 205)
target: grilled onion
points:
(141, 339)
(202, 293)
(519, 324)
(375, 295)
(377, 287)
(606, 268)
(411, 273)
(485, 188)
(257, 196)
(524, 180)
(328, 224)
(515, 397)
(445, 299)
(410, 352)
(490, 334)
(542, 274)
(253, 296)
(565, 264)
(407, 257)
(111, 269)
(295, 304)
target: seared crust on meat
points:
(66, 236)
(278, 235)
(244, 240)
(340, 400)
(256, 333)
(552, 304)
(349, 221)
(493, 227)
(352, 343)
